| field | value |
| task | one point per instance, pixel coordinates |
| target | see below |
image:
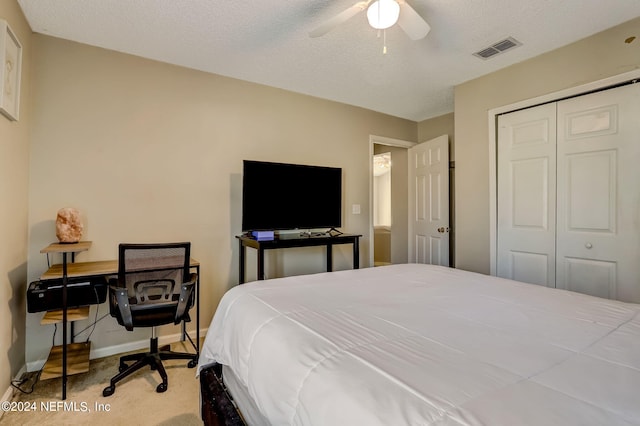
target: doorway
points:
(392, 231)
(381, 207)
(436, 250)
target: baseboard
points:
(124, 347)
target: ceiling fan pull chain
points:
(384, 42)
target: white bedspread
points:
(428, 345)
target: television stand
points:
(327, 240)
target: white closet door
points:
(526, 194)
(598, 218)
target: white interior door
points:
(598, 248)
(526, 194)
(429, 202)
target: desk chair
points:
(154, 287)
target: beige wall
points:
(438, 126)
(151, 152)
(14, 174)
(594, 58)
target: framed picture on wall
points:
(10, 67)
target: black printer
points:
(46, 295)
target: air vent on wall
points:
(496, 48)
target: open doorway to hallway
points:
(398, 231)
(382, 209)
(389, 203)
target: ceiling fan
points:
(381, 14)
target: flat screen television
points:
(279, 196)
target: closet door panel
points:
(598, 198)
(593, 277)
(591, 187)
(526, 193)
(530, 186)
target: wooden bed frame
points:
(217, 407)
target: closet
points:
(568, 194)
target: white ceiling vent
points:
(496, 48)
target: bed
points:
(421, 345)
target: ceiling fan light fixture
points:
(383, 13)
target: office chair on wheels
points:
(154, 287)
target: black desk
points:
(289, 242)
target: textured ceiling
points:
(267, 42)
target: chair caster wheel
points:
(161, 387)
(108, 391)
(192, 363)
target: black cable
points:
(95, 321)
(334, 232)
(17, 384)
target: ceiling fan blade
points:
(412, 23)
(340, 18)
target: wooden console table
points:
(301, 241)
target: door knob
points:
(443, 229)
(588, 245)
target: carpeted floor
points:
(135, 401)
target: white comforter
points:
(420, 345)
